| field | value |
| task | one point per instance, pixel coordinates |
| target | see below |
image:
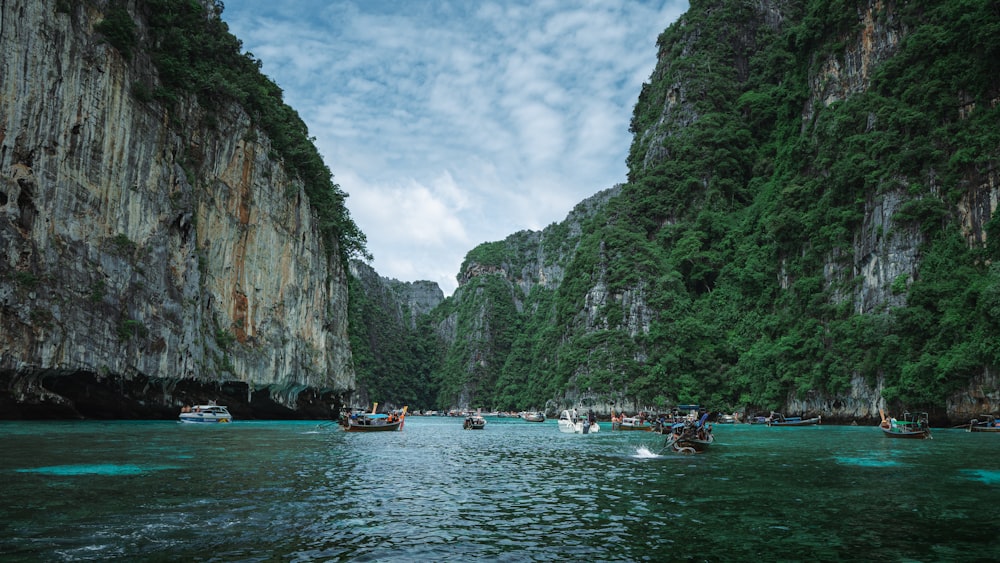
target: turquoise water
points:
(516, 491)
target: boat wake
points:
(643, 452)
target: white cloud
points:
(452, 123)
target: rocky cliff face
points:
(739, 134)
(501, 285)
(885, 255)
(147, 245)
(406, 301)
(538, 258)
(388, 321)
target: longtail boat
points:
(912, 426)
(690, 436)
(374, 421)
(985, 423)
(474, 422)
(638, 422)
(778, 419)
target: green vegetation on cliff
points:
(392, 361)
(751, 229)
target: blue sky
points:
(451, 123)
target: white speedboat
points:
(206, 414)
(571, 423)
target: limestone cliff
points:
(390, 339)
(847, 57)
(503, 286)
(144, 247)
(808, 226)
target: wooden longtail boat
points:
(375, 422)
(985, 423)
(912, 426)
(777, 419)
(690, 437)
(631, 423)
(474, 422)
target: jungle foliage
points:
(393, 362)
(740, 225)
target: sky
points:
(450, 123)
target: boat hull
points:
(388, 427)
(476, 423)
(205, 414)
(578, 428)
(906, 434)
(195, 419)
(807, 422)
(630, 424)
(688, 446)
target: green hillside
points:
(748, 202)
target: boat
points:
(777, 419)
(374, 421)
(690, 436)
(988, 423)
(913, 426)
(571, 423)
(210, 413)
(534, 416)
(474, 422)
(630, 423)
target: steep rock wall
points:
(388, 328)
(139, 242)
(531, 266)
(885, 252)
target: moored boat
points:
(474, 422)
(727, 419)
(778, 419)
(913, 425)
(985, 423)
(629, 423)
(690, 436)
(571, 423)
(210, 413)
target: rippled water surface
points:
(516, 491)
